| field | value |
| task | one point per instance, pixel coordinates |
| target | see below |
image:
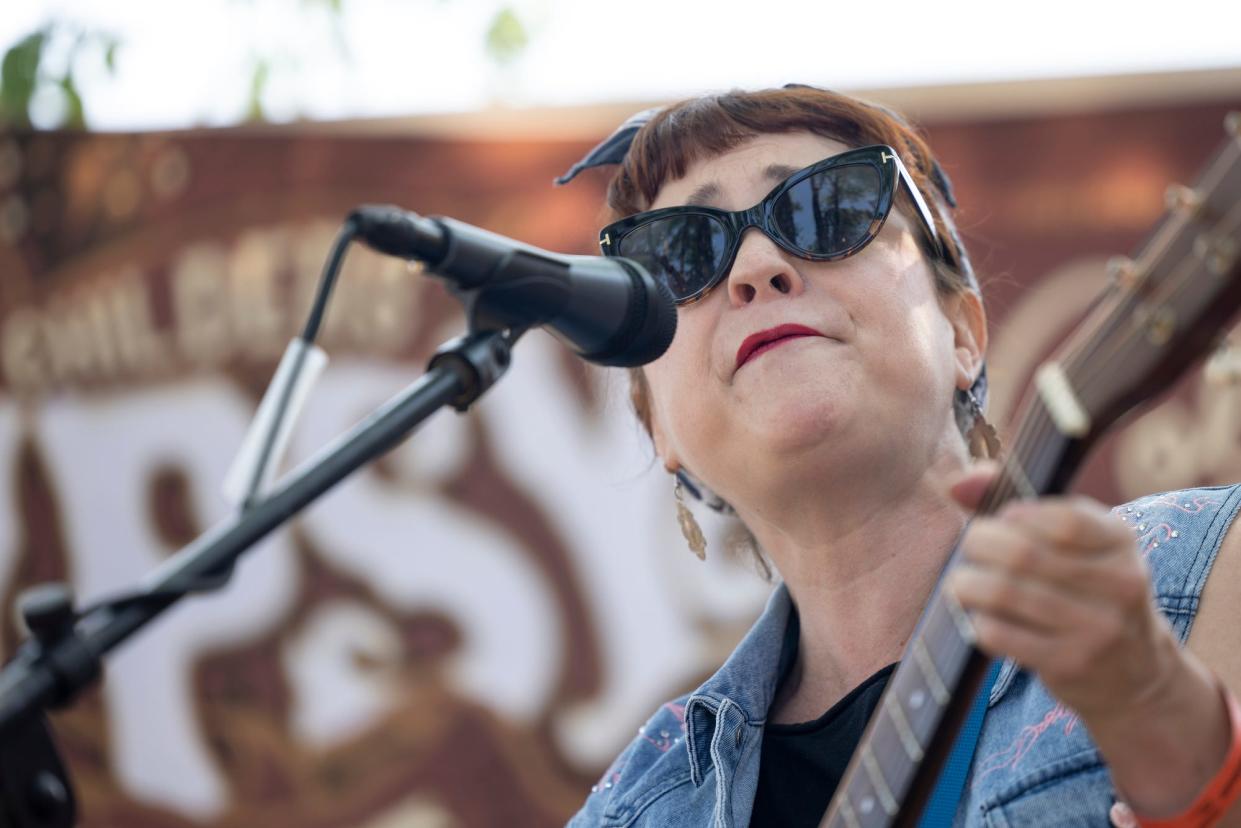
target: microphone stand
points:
(65, 651)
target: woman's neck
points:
(860, 578)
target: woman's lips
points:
(758, 343)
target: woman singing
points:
(825, 385)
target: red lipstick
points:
(755, 344)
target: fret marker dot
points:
(916, 699)
(867, 805)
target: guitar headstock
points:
(1165, 308)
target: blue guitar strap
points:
(942, 806)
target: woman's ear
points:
(659, 437)
(643, 402)
(969, 326)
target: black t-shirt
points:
(802, 764)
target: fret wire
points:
(939, 669)
(904, 730)
(918, 703)
(877, 781)
(891, 756)
(942, 639)
(1036, 452)
(865, 801)
(847, 814)
(947, 649)
(960, 620)
(930, 672)
(1029, 447)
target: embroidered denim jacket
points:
(695, 762)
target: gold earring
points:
(689, 525)
(982, 438)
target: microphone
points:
(609, 310)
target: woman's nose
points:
(761, 270)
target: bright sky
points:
(188, 62)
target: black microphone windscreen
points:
(648, 331)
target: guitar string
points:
(1036, 430)
(1037, 424)
(1226, 161)
(1183, 277)
(1159, 245)
(1030, 447)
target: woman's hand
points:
(1058, 585)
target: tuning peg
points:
(1224, 365)
(1182, 199)
(1121, 272)
(1218, 252)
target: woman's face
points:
(878, 378)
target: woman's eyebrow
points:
(704, 195)
(779, 172)
(710, 191)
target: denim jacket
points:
(695, 762)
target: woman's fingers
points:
(969, 488)
(1058, 585)
(1069, 523)
(1029, 603)
(1004, 546)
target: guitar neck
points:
(1161, 313)
(895, 766)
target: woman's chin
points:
(783, 428)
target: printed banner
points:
(466, 632)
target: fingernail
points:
(1122, 816)
(1017, 509)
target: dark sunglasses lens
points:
(831, 211)
(682, 251)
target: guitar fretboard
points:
(1162, 311)
(932, 684)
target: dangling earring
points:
(982, 439)
(689, 525)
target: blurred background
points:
(465, 633)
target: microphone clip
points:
(478, 359)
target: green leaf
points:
(109, 54)
(75, 115)
(258, 83)
(506, 37)
(19, 75)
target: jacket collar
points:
(746, 682)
